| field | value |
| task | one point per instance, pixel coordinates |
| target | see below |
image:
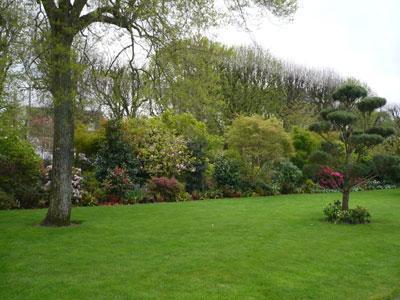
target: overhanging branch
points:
(105, 14)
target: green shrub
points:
(90, 182)
(20, 171)
(136, 195)
(359, 215)
(88, 199)
(310, 171)
(7, 201)
(212, 194)
(387, 168)
(115, 152)
(183, 196)
(262, 188)
(227, 172)
(88, 142)
(309, 186)
(287, 176)
(335, 214)
(305, 142)
(199, 142)
(92, 191)
(259, 141)
(161, 151)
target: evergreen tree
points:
(353, 106)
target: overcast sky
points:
(359, 38)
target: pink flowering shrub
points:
(330, 179)
(117, 184)
(162, 189)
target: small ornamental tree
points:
(353, 107)
(114, 152)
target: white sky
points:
(359, 38)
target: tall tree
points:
(117, 90)
(155, 22)
(249, 79)
(10, 33)
(189, 80)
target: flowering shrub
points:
(335, 214)
(330, 179)
(159, 149)
(162, 189)
(117, 184)
(76, 183)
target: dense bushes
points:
(387, 168)
(76, 183)
(335, 214)
(330, 179)
(19, 172)
(7, 201)
(160, 150)
(227, 172)
(87, 145)
(114, 152)
(162, 159)
(163, 189)
(288, 177)
(305, 143)
(259, 141)
(117, 184)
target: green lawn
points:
(253, 248)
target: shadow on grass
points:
(73, 223)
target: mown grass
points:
(255, 248)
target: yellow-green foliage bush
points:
(259, 141)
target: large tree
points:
(189, 80)
(11, 36)
(154, 22)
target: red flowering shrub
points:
(116, 184)
(330, 179)
(162, 189)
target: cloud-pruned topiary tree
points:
(341, 122)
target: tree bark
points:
(345, 199)
(346, 183)
(62, 90)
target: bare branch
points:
(50, 8)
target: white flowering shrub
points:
(76, 183)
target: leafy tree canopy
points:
(259, 141)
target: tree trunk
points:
(346, 182)
(345, 199)
(62, 90)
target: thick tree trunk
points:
(62, 89)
